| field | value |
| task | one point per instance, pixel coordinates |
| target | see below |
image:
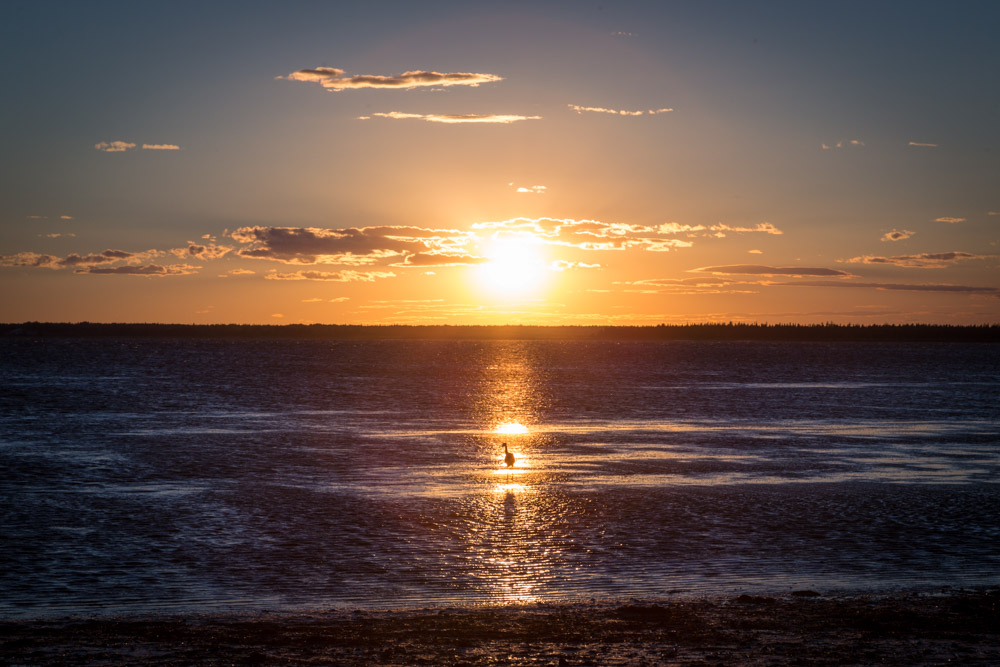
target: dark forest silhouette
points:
(986, 333)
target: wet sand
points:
(927, 628)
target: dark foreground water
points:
(186, 475)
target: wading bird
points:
(508, 457)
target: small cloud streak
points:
(843, 144)
(114, 146)
(919, 144)
(202, 251)
(153, 270)
(333, 79)
(333, 276)
(426, 259)
(617, 112)
(532, 190)
(926, 260)
(760, 270)
(160, 147)
(455, 119)
(949, 220)
(902, 287)
(897, 235)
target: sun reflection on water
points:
(511, 428)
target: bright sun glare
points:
(511, 428)
(516, 266)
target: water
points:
(194, 475)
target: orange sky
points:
(565, 164)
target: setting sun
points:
(516, 266)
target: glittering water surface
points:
(162, 475)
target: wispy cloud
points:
(161, 147)
(455, 119)
(426, 259)
(897, 235)
(926, 260)
(531, 190)
(968, 289)
(352, 245)
(622, 33)
(154, 270)
(618, 112)
(949, 220)
(110, 256)
(202, 251)
(920, 144)
(760, 270)
(114, 146)
(564, 265)
(334, 79)
(333, 276)
(856, 143)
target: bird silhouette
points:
(508, 457)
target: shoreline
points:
(804, 627)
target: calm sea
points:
(198, 475)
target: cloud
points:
(949, 220)
(65, 217)
(333, 79)
(926, 260)
(921, 145)
(73, 260)
(563, 265)
(897, 235)
(311, 245)
(441, 259)
(755, 252)
(242, 272)
(622, 33)
(456, 119)
(763, 228)
(333, 276)
(202, 251)
(617, 112)
(968, 289)
(760, 270)
(844, 144)
(534, 189)
(146, 270)
(114, 146)
(161, 147)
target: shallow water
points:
(178, 475)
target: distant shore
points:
(950, 626)
(986, 333)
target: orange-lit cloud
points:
(312, 245)
(617, 112)
(441, 259)
(333, 79)
(114, 146)
(969, 289)
(333, 276)
(926, 260)
(534, 189)
(154, 270)
(31, 259)
(844, 144)
(161, 147)
(563, 265)
(921, 144)
(949, 220)
(759, 270)
(202, 251)
(457, 119)
(897, 235)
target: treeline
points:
(987, 333)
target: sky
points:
(560, 163)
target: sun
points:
(515, 266)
